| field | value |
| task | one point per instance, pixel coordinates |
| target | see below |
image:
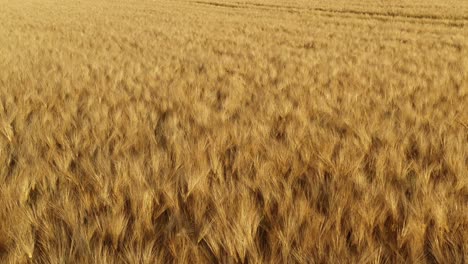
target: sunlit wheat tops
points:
(154, 131)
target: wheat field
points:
(219, 131)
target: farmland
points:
(222, 131)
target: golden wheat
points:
(135, 131)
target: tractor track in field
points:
(390, 16)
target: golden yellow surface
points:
(233, 132)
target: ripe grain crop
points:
(219, 131)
